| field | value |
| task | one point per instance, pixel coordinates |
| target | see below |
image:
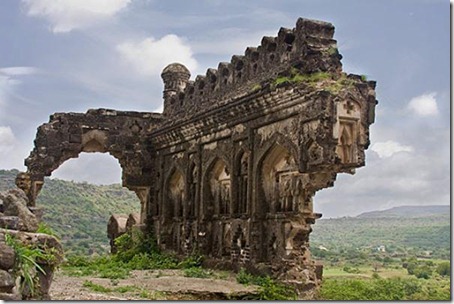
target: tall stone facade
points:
(230, 167)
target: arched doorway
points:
(77, 204)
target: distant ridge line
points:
(409, 211)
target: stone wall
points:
(230, 167)
(19, 223)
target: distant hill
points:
(78, 212)
(7, 178)
(408, 211)
(407, 229)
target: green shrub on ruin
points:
(268, 289)
(26, 266)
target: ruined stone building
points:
(230, 167)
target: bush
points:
(272, 291)
(268, 288)
(369, 290)
(134, 252)
(245, 278)
(197, 272)
(191, 261)
(44, 228)
(26, 265)
(444, 269)
(351, 269)
(423, 272)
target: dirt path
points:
(149, 285)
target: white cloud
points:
(424, 105)
(9, 78)
(404, 179)
(7, 140)
(66, 15)
(150, 56)
(388, 148)
(11, 156)
(18, 71)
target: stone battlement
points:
(308, 47)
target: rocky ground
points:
(149, 285)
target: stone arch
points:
(66, 135)
(276, 171)
(193, 178)
(347, 130)
(174, 196)
(217, 185)
(241, 182)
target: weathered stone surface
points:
(6, 282)
(15, 203)
(9, 222)
(38, 212)
(7, 257)
(230, 167)
(116, 226)
(133, 220)
(10, 296)
(47, 243)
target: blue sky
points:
(72, 55)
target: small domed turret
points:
(175, 77)
(175, 68)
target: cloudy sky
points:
(72, 55)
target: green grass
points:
(391, 289)
(135, 290)
(298, 78)
(96, 287)
(268, 288)
(197, 272)
(152, 295)
(365, 271)
(27, 263)
(135, 252)
(323, 80)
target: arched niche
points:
(278, 182)
(218, 184)
(173, 205)
(192, 191)
(347, 130)
(242, 184)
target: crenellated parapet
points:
(309, 48)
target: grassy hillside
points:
(7, 179)
(78, 212)
(400, 235)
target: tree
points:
(444, 269)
